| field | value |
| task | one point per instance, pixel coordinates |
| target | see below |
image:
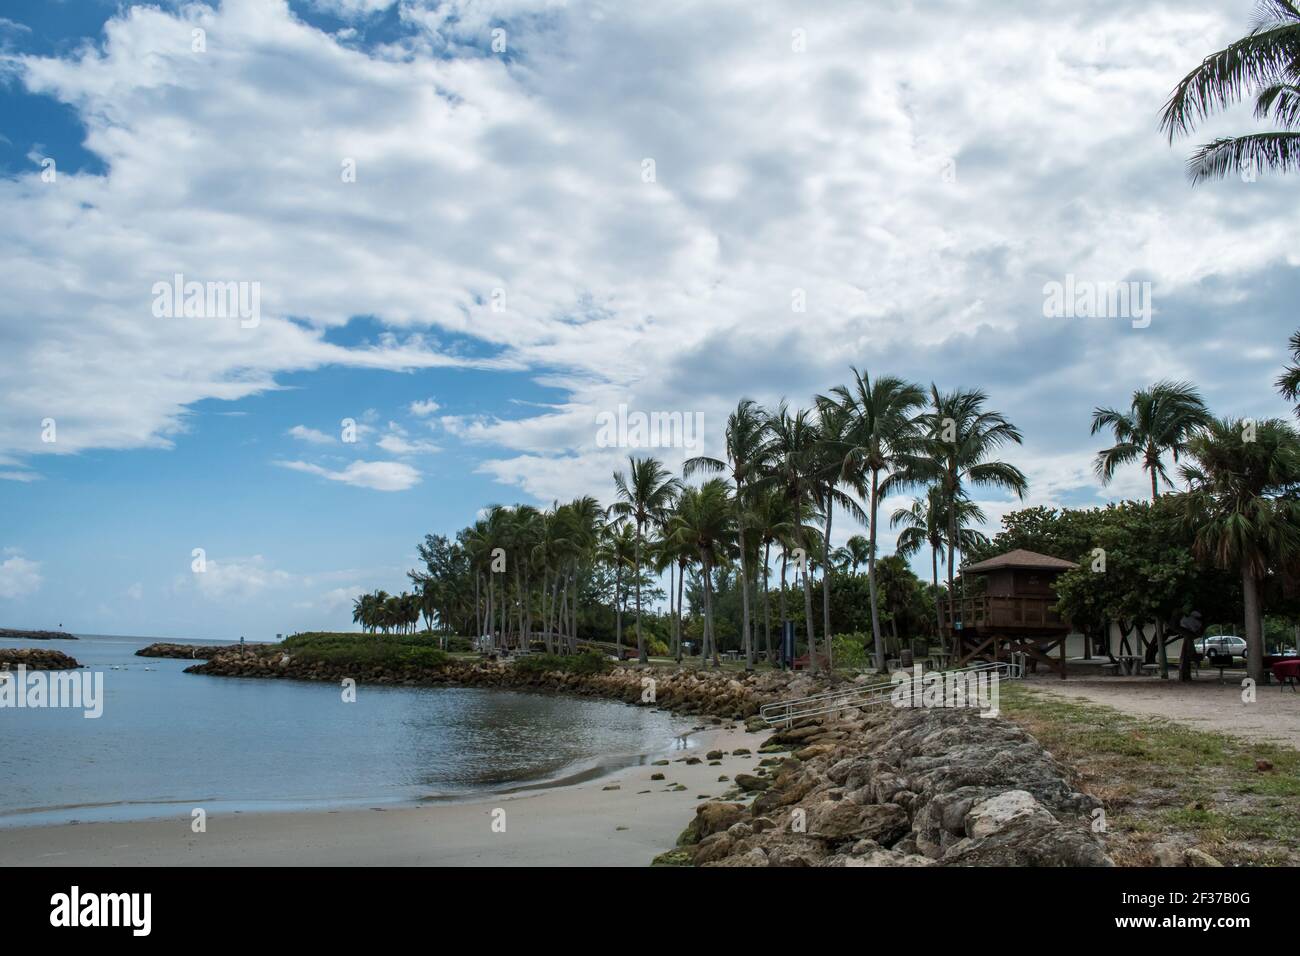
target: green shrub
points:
(850, 650)
(364, 650)
(587, 662)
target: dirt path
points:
(1203, 704)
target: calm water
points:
(169, 740)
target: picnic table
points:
(1128, 664)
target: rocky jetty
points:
(196, 652)
(720, 694)
(886, 787)
(35, 659)
(13, 634)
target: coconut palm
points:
(926, 523)
(883, 439)
(795, 466)
(745, 439)
(618, 550)
(771, 518)
(1265, 64)
(1243, 509)
(704, 519)
(855, 553)
(834, 425)
(961, 435)
(1160, 420)
(643, 497)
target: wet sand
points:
(585, 824)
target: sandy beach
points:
(586, 824)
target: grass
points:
(1163, 781)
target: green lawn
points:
(1161, 780)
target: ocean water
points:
(168, 742)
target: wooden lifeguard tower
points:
(1014, 614)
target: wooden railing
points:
(987, 611)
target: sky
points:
(463, 232)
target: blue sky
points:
(500, 270)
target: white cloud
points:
(776, 172)
(239, 578)
(19, 576)
(378, 475)
(136, 591)
(316, 437)
(396, 442)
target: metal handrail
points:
(868, 695)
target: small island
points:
(197, 652)
(13, 634)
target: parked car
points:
(1223, 644)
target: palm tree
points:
(1265, 64)
(618, 548)
(643, 498)
(747, 451)
(1160, 419)
(770, 518)
(962, 435)
(705, 520)
(1242, 506)
(883, 439)
(855, 553)
(926, 523)
(1288, 383)
(833, 425)
(794, 467)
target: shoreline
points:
(607, 820)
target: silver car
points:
(1225, 644)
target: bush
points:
(587, 662)
(369, 650)
(850, 650)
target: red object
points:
(802, 662)
(1287, 671)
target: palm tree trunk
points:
(934, 575)
(826, 583)
(744, 580)
(618, 609)
(1254, 625)
(952, 591)
(710, 638)
(808, 608)
(767, 606)
(640, 640)
(677, 630)
(671, 604)
(478, 603)
(785, 559)
(871, 572)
